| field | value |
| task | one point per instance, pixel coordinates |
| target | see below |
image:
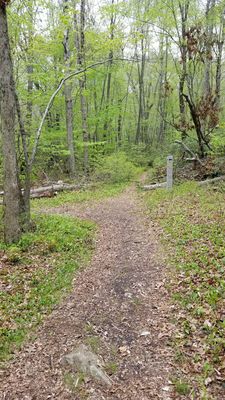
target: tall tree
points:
(12, 193)
(68, 93)
(80, 47)
(109, 73)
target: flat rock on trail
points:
(118, 307)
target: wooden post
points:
(169, 180)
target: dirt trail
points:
(118, 306)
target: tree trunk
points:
(208, 59)
(119, 123)
(29, 67)
(68, 99)
(198, 127)
(80, 44)
(109, 76)
(184, 8)
(220, 45)
(25, 201)
(162, 89)
(141, 71)
(12, 193)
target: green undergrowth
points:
(117, 168)
(37, 272)
(193, 222)
(99, 191)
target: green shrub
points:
(116, 168)
(218, 141)
(14, 254)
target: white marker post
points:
(169, 181)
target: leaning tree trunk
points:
(12, 193)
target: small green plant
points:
(73, 382)
(181, 387)
(89, 328)
(136, 301)
(111, 368)
(94, 343)
(14, 255)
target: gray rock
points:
(83, 360)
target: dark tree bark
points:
(30, 68)
(109, 75)
(119, 123)
(220, 45)
(198, 127)
(184, 8)
(12, 192)
(80, 47)
(208, 59)
(141, 108)
(162, 89)
(25, 204)
(68, 98)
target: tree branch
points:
(49, 105)
(189, 151)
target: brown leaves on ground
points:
(119, 308)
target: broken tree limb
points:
(189, 151)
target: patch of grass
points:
(111, 368)
(94, 193)
(94, 343)
(181, 387)
(37, 273)
(136, 301)
(73, 382)
(193, 222)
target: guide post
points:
(169, 180)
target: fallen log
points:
(53, 188)
(50, 191)
(211, 181)
(155, 186)
(200, 183)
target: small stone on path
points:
(83, 360)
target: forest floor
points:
(119, 307)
